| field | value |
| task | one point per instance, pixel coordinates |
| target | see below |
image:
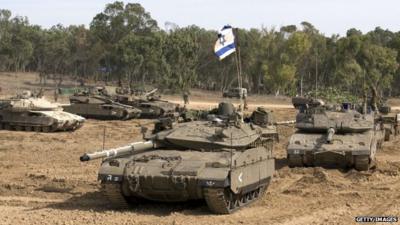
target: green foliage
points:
(298, 45)
(124, 44)
(180, 56)
(334, 96)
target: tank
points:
(333, 136)
(225, 161)
(390, 121)
(99, 107)
(150, 104)
(29, 113)
(235, 93)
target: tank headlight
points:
(114, 163)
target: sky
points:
(328, 16)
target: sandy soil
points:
(42, 181)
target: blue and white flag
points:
(225, 44)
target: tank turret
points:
(314, 116)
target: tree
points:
(124, 44)
(180, 58)
(114, 24)
(380, 66)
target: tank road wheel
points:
(361, 162)
(18, 128)
(224, 201)
(125, 115)
(7, 127)
(46, 129)
(308, 159)
(387, 135)
(28, 128)
(379, 144)
(113, 192)
(1, 126)
(79, 125)
(295, 160)
(37, 129)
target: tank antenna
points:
(231, 150)
(104, 137)
(316, 73)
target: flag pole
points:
(238, 66)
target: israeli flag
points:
(225, 44)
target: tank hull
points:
(312, 149)
(177, 176)
(40, 121)
(102, 111)
(391, 123)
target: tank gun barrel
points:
(110, 101)
(331, 132)
(287, 122)
(120, 104)
(151, 92)
(125, 150)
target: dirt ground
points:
(42, 181)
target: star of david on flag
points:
(225, 44)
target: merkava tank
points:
(390, 121)
(29, 113)
(150, 104)
(225, 161)
(100, 107)
(329, 136)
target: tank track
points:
(295, 161)
(113, 192)
(44, 129)
(361, 162)
(224, 201)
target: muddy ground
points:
(42, 181)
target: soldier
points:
(40, 93)
(56, 94)
(186, 97)
(244, 97)
(245, 106)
